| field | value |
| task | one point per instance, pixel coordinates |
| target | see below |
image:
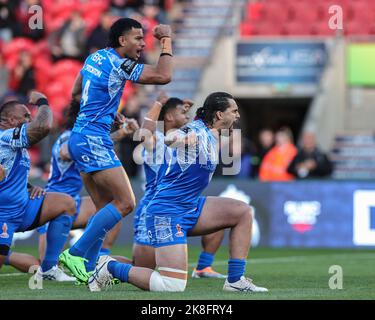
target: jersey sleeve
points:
(15, 137)
(131, 70)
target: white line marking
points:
(295, 258)
(266, 260)
(12, 274)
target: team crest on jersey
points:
(179, 232)
(128, 66)
(4, 234)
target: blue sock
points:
(236, 269)
(57, 233)
(103, 221)
(7, 262)
(205, 260)
(104, 252)
(119, 270)
(92, 255)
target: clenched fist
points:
(161, 31)
(35, 96)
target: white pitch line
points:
(12, 274)
(294, 258)
(265, 260)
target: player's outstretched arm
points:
(41, 125)
(150, 120)
(162, 72)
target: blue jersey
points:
(155, 166)
(16, 161)
(188, 173)
(103, 79)
(64, 176)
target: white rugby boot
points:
(54, 274)
(101, 278)
(243, 285)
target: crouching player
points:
(19, 212)
(65, 178)
(177, 211)
(172, 114)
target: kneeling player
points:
(18, 212)
(177, 211)
(173, 114)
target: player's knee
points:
(70, 206)
(125, 206)
(247, 213)
(161, 283)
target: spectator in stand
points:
(149, 22)
(98, 38)
(247, 152)
(125, 8)
(266, 141)
(69, 41)
(24, 16)
(4, 78)
(9, 26)
(310, 162)
(162, 8)
(23, 78)
(274, 166)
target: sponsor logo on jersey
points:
(179, 232)
(4, 234)
(85, 158)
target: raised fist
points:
(162, 30)
(35, 96)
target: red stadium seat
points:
(254, 11)
(15, 46)
(266, 29)
(275, 13)
(246, 29)
(66, 66)
(306, 12)
(356, 28)
(321, 28)
(296, 28)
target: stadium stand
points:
(304, 17)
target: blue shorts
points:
(43, 229)
(28, 221)
(168, 230)
(139, 223)
(92, 153)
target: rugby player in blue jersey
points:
(65, 178)
(177, 210)
(172, 114)
(101, 83)
(19, 210)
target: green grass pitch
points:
(287, 273)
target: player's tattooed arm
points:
(150, 121)
(41, 125)
(162, 72)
